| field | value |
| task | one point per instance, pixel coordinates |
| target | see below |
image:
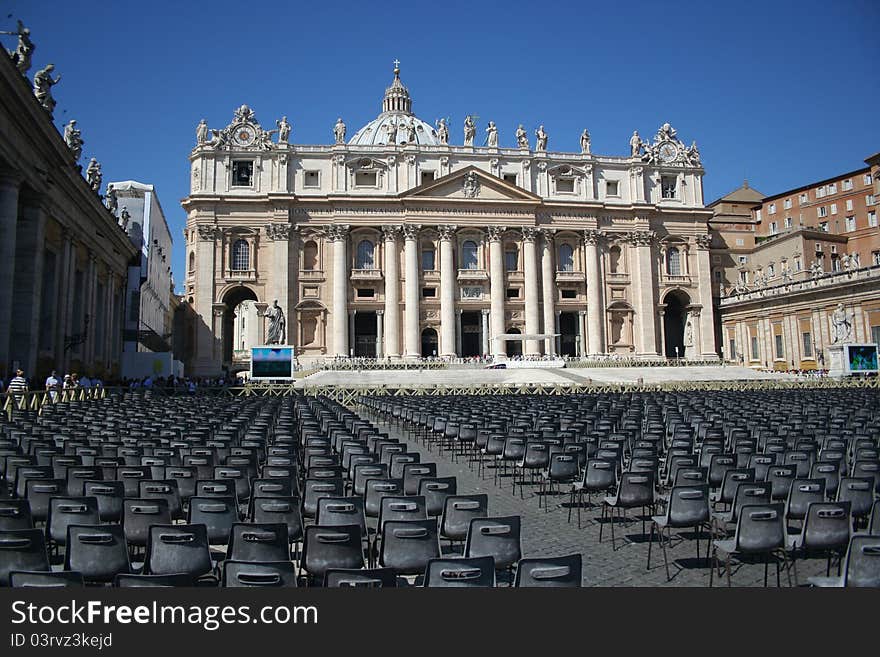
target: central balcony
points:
(472, 275)
(570, 277)
(366, 274)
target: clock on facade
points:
(668, 152)
(243, 135)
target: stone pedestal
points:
(837, 361)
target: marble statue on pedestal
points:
(522, 138)
(339, 131)
(411, 132)
(442, 131)
(124, 217)
(585, 142)
(541, 139)
(492, 135)
(391, 128)
(112, 202)
(283, 130)
(275, 316)
(24, 51)
(202, 133)
(43, 83)
(841, 326)
(94, 175)
(73, 139)
(635, 144)
(470, 130)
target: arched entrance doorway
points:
(674, 322)
(429, 343)
(365, 334)
(514, 347)
(249, 336)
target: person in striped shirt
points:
(18, 386)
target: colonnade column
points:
(27, 286)
(379, 326)
(392, 292)
(548, 288)
(91, 289)
(9, 186)
(643, 293)
(496, 290)
(595, 311)
(706, 347)
(338, 235)
(60, 301)
(412, 343)
(447, 291)
(204, 361)
(530, 274)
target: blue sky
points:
(782, 93)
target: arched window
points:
(566, 258)
(364, 259)
(310, 256)
(192, 261)
(614, 257)
(240, 256)
(673, 262)
(469, 255)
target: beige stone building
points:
(63, 257)
(782, 263)
(396, 243)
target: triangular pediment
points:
(471, 184)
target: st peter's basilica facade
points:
(396, 243)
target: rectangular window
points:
(823, 211)
(788, 222)
(668, 185)
(428, 260)
(774, 227)
(832, 188)
(743, 259)
(366, 293)
(565, 185)
(312, 179)
(875, 257)
(242, 173)
(568, 294)
(787, 204)
(870, 199)
(611, 188)
(807, 342)
(755, 354)
(509, 177)
(427, 176)
(867, 179)
(875, 334)
(758, 214)
(771, 209)
(780, 351)
(365, 179)
(872, 219)
(740, 241)
(850, 223)
(717, 275)
(847, 185)
(513, 293)
(820, 192)
(823, 226)
(429, 292)
(834, 208)
(849, 204)
(803, 198)
(510, 260)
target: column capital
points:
(582, 313)
(208, 232)
(337, 232)
(641, 237)
(279, 232)
(494, 233)
(593, 237)
(447, 231)
(529, 233)
(390, 232)
(703, 241)
(218, 308)
(411, 231)
(484, 311)
(380, 312)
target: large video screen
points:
(862, 357)
(272, 363)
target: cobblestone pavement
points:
(547, 533)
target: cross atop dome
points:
(397, 97)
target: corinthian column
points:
(447, 291)
(496, 290)
(411, 290)
(595, 312)
(392, 292)
(643, 293)
(548, 289)
(338, 235)
(530, 274)
(279, 234)
(706, 346)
